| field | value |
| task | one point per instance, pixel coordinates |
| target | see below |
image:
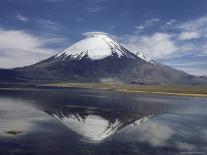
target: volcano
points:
(99, 58)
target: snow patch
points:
(140, 55)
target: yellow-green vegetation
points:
(185, 90)
(13, 132)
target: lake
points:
(42, 121)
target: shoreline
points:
(164, 93)
(183, 90)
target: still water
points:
(87, 122)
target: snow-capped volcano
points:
(97, 45)
(99, 58)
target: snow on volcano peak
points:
(97, 45)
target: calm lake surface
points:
(87, 122)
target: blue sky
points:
(172, 32)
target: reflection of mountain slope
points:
(95, 126)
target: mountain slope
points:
(98, 58)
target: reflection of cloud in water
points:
(153, 132)
(185, 146)
(18, 115)
(204, 133)
(156, 100)
(183, 132)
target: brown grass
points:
(187, 90)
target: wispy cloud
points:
(95, 5)
(53, 0)
(19, 48)
(170, 22)
(152, 21)
(196, 25)
(189, 35)
(196, 32)
(22, 18)
(193, 64)
(94, 8)
(204, 47)
(49, 25)
(80, 19)
(155, 46)
(148, 23)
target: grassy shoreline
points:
(180, 90)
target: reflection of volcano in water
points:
(94, 124)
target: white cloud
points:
(195, 26)
(204, 48)
(147, 24)
(49, 25)
(170, 22)
(195, 65)
(155, 46)
(194, 70)
(188, 35)
(53, 0)
(21, 18)
(152, 20)
(95, 8)
(18, 48)
(80, 19)
(139, 28)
